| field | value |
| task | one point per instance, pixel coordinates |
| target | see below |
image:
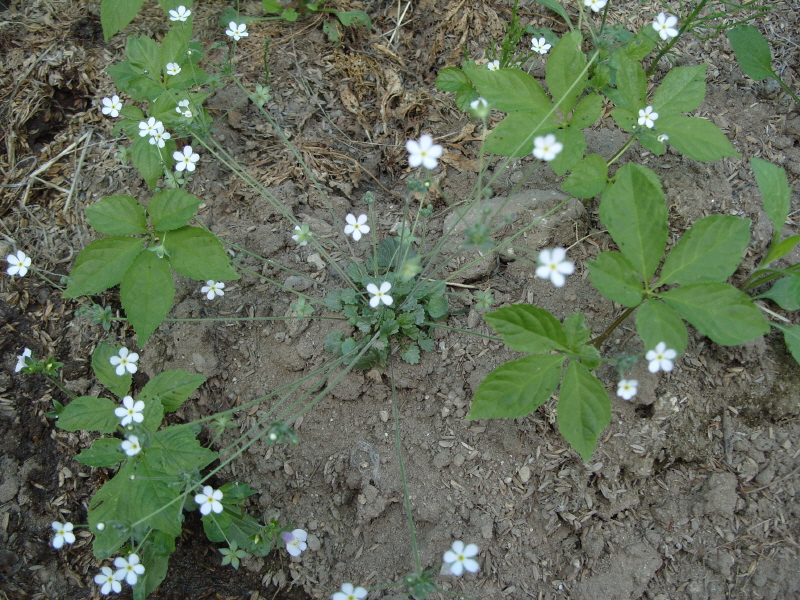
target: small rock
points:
(441, 460)
(298, 283)
(313, 542)
(524, 473)
(458, 460)
(384, 414)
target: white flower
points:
(459, 558)
(235, 31)
(18, 264)
(627, 388)
(186, 159)
(150, 127)
(493, 65)
(660, 358)
(541, 46)
(295, 541)
(595, 5)
(129, 570)
(424, 152)
(546, 147)
(63, 534)
(126, 361)
(647, 117)
(107, 582)
(302, 235)
(101, 526)
(480, 108)
(663, 138)
(112, 106)
(554, 265)
(160, 137)
(180, 14)
(349, 592)
(130, 411)
(21, 362)
(173, 68)
(212, 289)
(131, 445)
(183, 109)
(356, 227)
(665, 26)
(209, 500)
(379, 294)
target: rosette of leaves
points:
(406, 323)
(141, 259)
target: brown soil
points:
(693, 490)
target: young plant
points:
(754, 56)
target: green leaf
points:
(631, 84)
(682, 90)
(411, 354)
(696, 138)
(437, 307)
(176, 448)
(144, 55)
(103, 452)
(156, 565)
(584, 409)
(172, 208)
(587, 112)
(509, 90)
(527, 328)
(176, 43)
(117, 215)
(710, 251)
(271, 6)
(635, 215)
(147, 158)
(141, 88)
(625, 118)
(172, 388)
(719, 311)
(574, 147)
(576, 331)
(785, 293)
(514, 135)
(117, 14)
(566, 73)
(354, 17)
(147, 293)
(106, 373)
(101, 265)
(89, 414)
(791, 335)
(641, 45)
(516, 388)
(775, 191)
(656, 322)
(589, 177)
(190, 76)
(556, 8)
(465, 96)
(614, 276)
(153, 414)
(452, 79)
(198, 254)
(752, 52)
(781, 249)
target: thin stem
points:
(60, 386)
(688, 24)
(621, 151)
(598, 341)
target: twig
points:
(78, 171)
(399, 20)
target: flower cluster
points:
(125, 361)
(18, 264)
(128, 570)
(155, 129)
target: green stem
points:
(598, 341)
(621, 151)
(688, 24)
(60, 386)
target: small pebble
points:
(524, 473)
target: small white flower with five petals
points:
(18, 264)
(130, 411)
(350, 592)
(209, 500)
(131, 445)
(129, 569)
(112, 106)
(63, 534)
(21, 362)
(105, 579)
(661, 358)
(459, 558)
(493, 65)
(554, 265)
(185, 159)
(540, 45)
(235, 31)
(423, 152)
(295, 541)
(647, 117)
(160, 137)
(173, 68)
(180, 14)
(627, 388)
(212, 289)
(379, 294)
(547, 147)
(595, 5)
(665, 26)
(356, 227)
(125, 361)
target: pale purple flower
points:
(295, 541)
